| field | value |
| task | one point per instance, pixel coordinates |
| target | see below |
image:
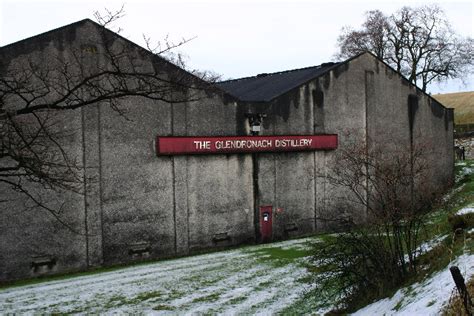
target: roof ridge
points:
(327, 64)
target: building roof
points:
(266, 87)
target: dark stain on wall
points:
(281, 106)
(240, 118)
(405, 82)
(440, 111)
(227, 98)
(326, 80)
(341, 69)
(256, 195)
(450, 114)
(412, 109)
(436, 108)
(318, 97)
(3, 64)
(318, 108)
(389, 72)
(448, 117)
(60, 38)
(377, 66)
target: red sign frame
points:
(178, 145)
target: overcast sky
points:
(233, 38)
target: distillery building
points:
(240, 161)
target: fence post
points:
(461, 286)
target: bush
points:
(362, 264)
(459, 223)
(373, 259)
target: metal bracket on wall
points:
(139, 249)
(40, 262)
(220, 237)
(291, 227)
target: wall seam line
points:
(86, 229)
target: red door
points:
(266, 223)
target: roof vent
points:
(262, 75)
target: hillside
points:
(462, 102)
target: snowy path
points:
(235, 281)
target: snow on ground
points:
(464, 171)
(428, 245)
(425, 298)
(263, 279)
(465, 210)
(238, 281)
(452, 192)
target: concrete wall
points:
(28, 233)
(295, 183)
(137, 205)
(367, 104)
(402, 118)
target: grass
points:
(398, 306)
(462, 102)
(276, 256)
(238, 299)
(439, 224)
(455, 306)
(207, 298)
(203, 286)
(147, 296)
(163, 307)
(71, 274)
(112, 268)
(438, 258)
(279, 257)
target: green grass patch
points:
(163, 307)
(398, 305)
(308, 304)
(145, 296)
(237, 300)
(430, 303)
(443, 222)
(263, 285)
(115, 301)
(440, 222)
(278, 256)
(208, 298)
(120, 300)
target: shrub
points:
(459, 223)
(372, 259)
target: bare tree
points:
(368, 260)
(34, 95)
(418, 42)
